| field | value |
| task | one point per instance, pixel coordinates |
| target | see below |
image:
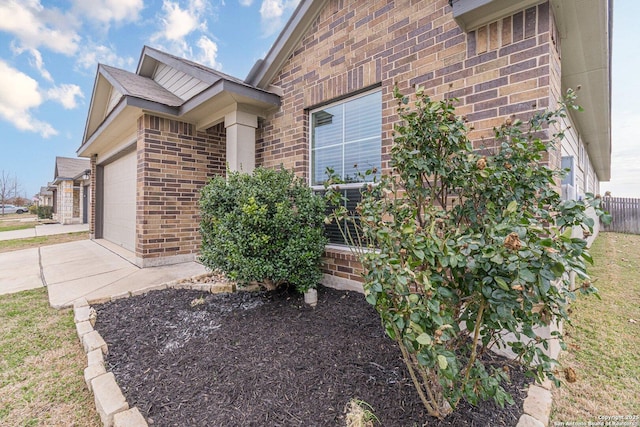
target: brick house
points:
(45, 196)
(71, 191)
(322, 96)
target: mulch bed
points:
(266, 359)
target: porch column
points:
(241, 140)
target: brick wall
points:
(174, 163)
(507, 67)
(92, 196)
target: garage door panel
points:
(119, 202)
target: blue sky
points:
(49, 51)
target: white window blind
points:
(345, 135)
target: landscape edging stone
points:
(94, 347)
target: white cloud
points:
(35, 26)
(66, 95)
(245, 3)
(208, 52)
(110, 10)
(36, 60)
(179, 22)
(271, 13)
(19, 94)
(184, 28)
(39, 64)
(92, 54)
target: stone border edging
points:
(110, 403)
(537, 405)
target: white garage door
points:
(119, 202)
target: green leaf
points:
(419, 254)
(442, 362)
(445, 292)
(512, 206)
(424, 339)
(526, 275)
(372, 298)
(501, 282)
(497, 259)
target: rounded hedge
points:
(266, 227)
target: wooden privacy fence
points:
(625, 213)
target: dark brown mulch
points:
(267, 359)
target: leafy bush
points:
(45, 212)
(266, 227)
(464, 246)
(33, 209)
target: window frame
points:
(334, 103)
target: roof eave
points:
(263, 98)
(265, 69)
(586, 40)
(127, 101)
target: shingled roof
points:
(70, 168)
(131, 84)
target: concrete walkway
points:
(87, 269)
(83, 269)
(43, 230)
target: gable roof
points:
(166, 85)
(68, 168)
(150, 57)
(130, 84)
(45, 191)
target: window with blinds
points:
(346, 137)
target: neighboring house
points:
(45, 196)
(323, 96)
(71, 191)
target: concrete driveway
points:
(82, 269)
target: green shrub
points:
(266, 227)
(45, 212)
(33, 209)
(465, 246)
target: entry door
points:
(85, 204)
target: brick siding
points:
(174, 163)
(92, 195)
(507, 67)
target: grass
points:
(34, 242)
(41, 365)
(14, 227)
(604, 338)
(360, 414)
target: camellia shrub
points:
(266, 227)
(459, 247)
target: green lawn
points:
(41, 365)
(17, 227)
(34, 242)
(604, 339)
